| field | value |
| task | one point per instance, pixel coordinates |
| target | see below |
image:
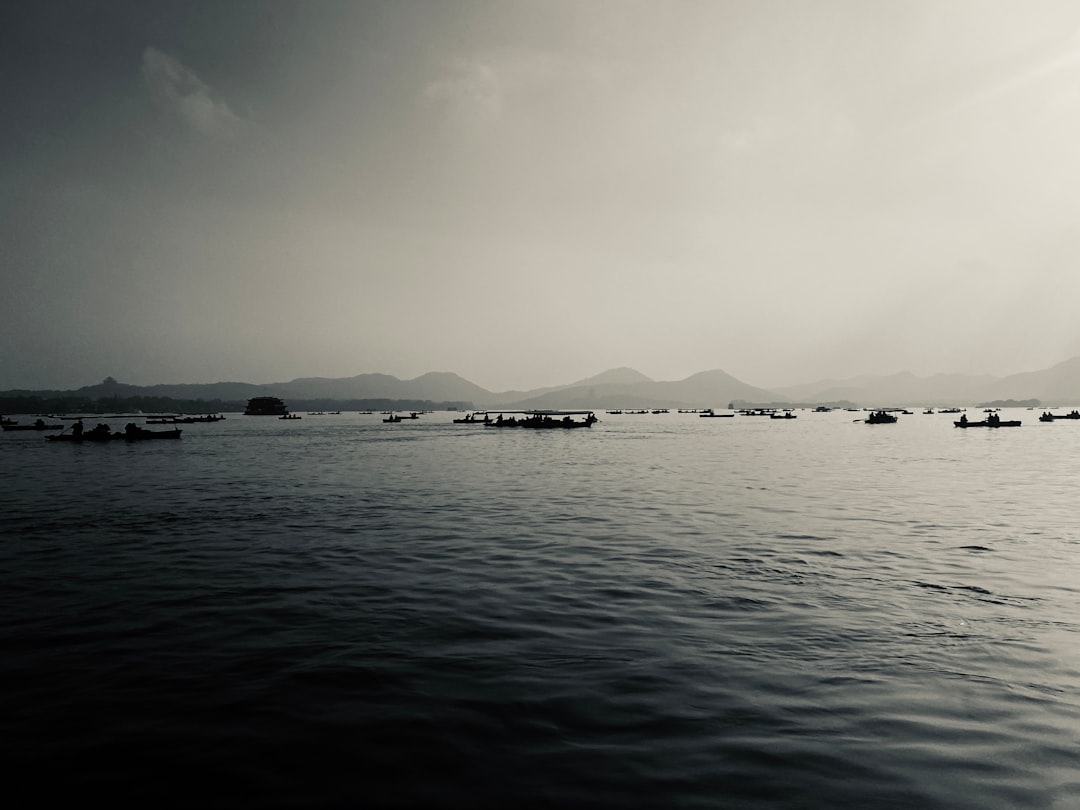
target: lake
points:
(659, 611)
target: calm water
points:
(662, 611)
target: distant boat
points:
(38, 425)
(785, 415)
(265, 406)
(709, 414)
(1053, 417)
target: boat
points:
(393, 417)
(473, 419)
(881, 418)
(291, 416)
(540, 420)
(185, 420)
(102, 433)
(265, 406)
(1053, 417)
(785, 415)
(37, 425)
(989, 423)
(711, 414)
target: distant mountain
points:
(434, 386)
(903, 388)
(706, 389)
(615, 376)
(1058, 385)
(1054, 386)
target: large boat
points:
(265, 406)
(185, 420)
(37, 425)
(102, 433)
(544, 419)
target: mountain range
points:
(627, 388)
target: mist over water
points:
(661, 611)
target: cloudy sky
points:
(528, 193)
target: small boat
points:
(881, 418)
(1053, 417)
(291, 416)
(785, 415)
(989, 423)
(478, 418)
(711, 414)
(393, 417)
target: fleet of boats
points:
(529, 419)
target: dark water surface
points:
(662, 611)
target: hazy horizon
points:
(529, 193)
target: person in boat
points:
(39, 423)
(77, 429)
(963, 418)
(131, 430)
(100, 431)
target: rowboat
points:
(129, 435)
(541, 420)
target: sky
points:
(530, 193)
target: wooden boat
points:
(992, 423)
(1053, 417)
(290, 416)
(393, 417)
(473, 419)
(881, 418)
(543, 420)
(38, 425)
(711, 414)
(185, 420)
(785, 415)
(129, 435)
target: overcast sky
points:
(528, 193)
